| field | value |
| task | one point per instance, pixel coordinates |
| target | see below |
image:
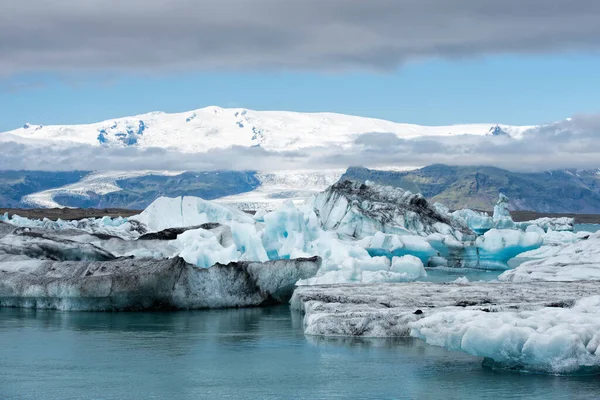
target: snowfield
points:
(213, 127)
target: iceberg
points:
(479, 222)
(567, 262)
(549, 224)
(551, 328)
(138, 284)
(359, 210)
(178, 212)
(501, 217)
(358, 230)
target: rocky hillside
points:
(477, 187)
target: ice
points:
(479, 222)
(567, 262)
(130, 284)
(222, 244)
(176, 212)
(399, 245)
(202, 248)
(551, 340)
(549, 224)
(500, 245)
(461, 280)
(549, 327)
(120, 227)
(359, 210)
(502, 218)
(357, 229)
(409, 265)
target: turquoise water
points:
(587, 227)
(246, 353)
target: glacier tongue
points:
(550, 328)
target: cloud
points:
(573, 143)
(167, 35)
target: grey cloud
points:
(165, 35)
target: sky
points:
(509, 89)
(429, 62)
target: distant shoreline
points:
(81, 213)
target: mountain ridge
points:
(477, 187)
(208, 128)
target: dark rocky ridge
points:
(477, 187)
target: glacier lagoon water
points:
(241, 353)
(586, 227)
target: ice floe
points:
(143, 284)
(552, 328)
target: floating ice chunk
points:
(550, 340)
(202, 248)
(543, 327)
(462, 280)
(389, 245)
(167, 212)
(502, 218)
(479, 222)
(498, 246)
(547, 224)
(36, 243)
(288, 230)
(120, 227)
(409, 265)
(567, 262)
(127, 284)
(248, 242)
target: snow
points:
(552, 327)
(201, 130)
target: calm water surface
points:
(246, 353)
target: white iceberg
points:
(552, 327)
(567, 262)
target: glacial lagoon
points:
(239, 353)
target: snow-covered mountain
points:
(214, 127)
